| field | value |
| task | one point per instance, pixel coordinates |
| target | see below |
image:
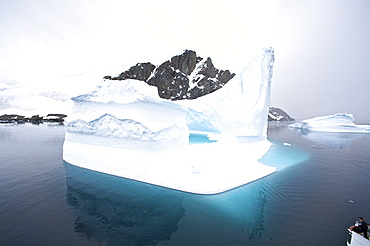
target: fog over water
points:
(321, 47)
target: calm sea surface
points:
(322, 186)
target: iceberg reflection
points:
(116, 211)
(336, 140)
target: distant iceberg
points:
(125, 129)
(341, 122)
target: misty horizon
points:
(321, 47)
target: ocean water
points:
(320, 188)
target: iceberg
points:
(124, 128)
(341, 123)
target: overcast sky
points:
(322, 47)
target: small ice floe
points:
(316, 147)
(287, 144)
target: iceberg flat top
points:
(341, 122)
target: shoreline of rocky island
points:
(275, 114)
(35, 119)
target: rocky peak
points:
(185, 62)
(141, 71)
(277, 114)
(184, 76)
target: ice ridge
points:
(109, 126)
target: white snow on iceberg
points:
(3, 86)
(110, 131)
(341, 122)
(123, 128)
(129, 99)
(108, 125)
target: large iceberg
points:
(341, 122)
(125, 129)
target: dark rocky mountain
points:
(277, 114)
(185, 76)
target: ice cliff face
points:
(241, 107)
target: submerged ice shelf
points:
(123, 128)
(199, 168)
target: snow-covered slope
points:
(30, 101)
(49, 96)
(121, 92)
(341, 122)
(3, 86)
